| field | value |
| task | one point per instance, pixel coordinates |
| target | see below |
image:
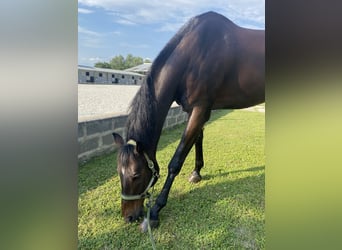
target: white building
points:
(94, 75)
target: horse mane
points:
(142, 118)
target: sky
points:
(107, 28)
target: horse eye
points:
(135, 176)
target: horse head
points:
(137, 176)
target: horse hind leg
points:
(195, 176)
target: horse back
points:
(216, 63)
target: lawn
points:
(226, 210)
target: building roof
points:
(85, 66)
(113, 71)
(143, 68)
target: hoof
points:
(195, 177)
(144, 225)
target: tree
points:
(121, 63)
(103, 65)
(132, 61)
(118, 62)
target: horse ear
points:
(118, 139)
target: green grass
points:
(226, 210)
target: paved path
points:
(257, 108)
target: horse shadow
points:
(207, 211)
(252, 169)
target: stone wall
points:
(95, 136)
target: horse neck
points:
(162, 107)
(163, 103)
(154, 104)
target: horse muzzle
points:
(132, 210)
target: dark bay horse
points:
(211, 63)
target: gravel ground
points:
(99, 101)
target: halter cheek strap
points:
(155, 175)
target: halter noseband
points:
(155, 175)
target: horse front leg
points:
(195, 175)
(197, 118)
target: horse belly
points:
(237, 96)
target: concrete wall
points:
(95, 136)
